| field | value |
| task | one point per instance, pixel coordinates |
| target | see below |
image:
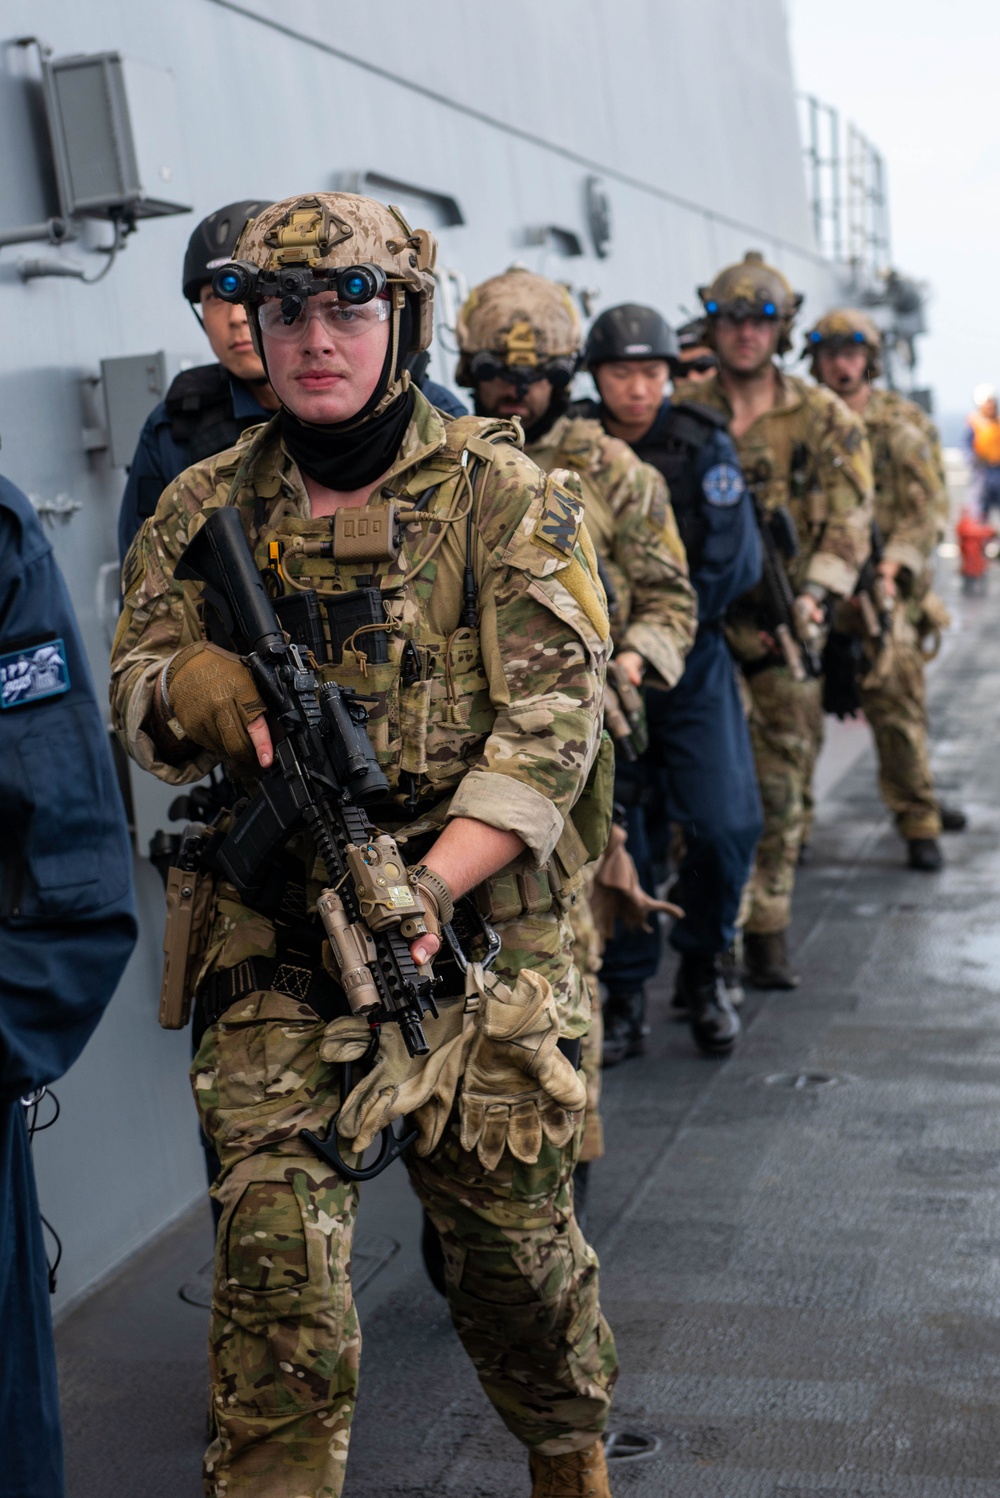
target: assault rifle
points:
(779, 602)
(323, 776)
(869, 593)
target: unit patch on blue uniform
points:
(34, 672)
(558, 526)
(723, 485)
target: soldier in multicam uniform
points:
(484, 664)
(845, 348)
(520, 339)
(800, 448)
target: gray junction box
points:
(116, 137)
(133, 385)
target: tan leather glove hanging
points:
(618, 894)
(213, 697)
(421, 1088)
(519, 1088)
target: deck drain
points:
(803, 1081)
(626, 1445)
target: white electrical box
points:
(116, 137)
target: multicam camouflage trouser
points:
(284, 1341)
(896, 708)
(786, 728)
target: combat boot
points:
(953, 818)
(576, 1474)
(924, 854)
(715, 1025)
(729, 967)
(766, 960)
(625, 1028)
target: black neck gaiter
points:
(347, 459)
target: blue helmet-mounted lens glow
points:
(770, 310)
(355, 286)
(711, 306)
(858, 337)
(227, 283)
(815, 336)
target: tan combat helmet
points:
(518, 322)
(751, 289)
(337, 241)
(846, 327)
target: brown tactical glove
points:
(518, 1085)
(421, 1088)
(617, 893)
(213, 697)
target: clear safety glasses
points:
(340, 319)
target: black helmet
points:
(628, 332)
(693, 334)
(213, 243)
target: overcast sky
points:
(921, 78)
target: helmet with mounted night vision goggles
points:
(846, 327)
(751, 289)
(342, 243)
(521, 327)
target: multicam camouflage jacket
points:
(892, 402)
(503, 718)
(635, 534)
(908, 490)
(809, 453)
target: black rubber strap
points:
(308, 985)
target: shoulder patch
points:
(723, 485)
(35, 670)
(558, 526)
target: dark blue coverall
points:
(67, 926)
(159, 458)
(699, 752)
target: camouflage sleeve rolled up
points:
(841, 506)
(158, 618)
(647, 549)
(544, 641)
(908, 515)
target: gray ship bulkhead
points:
(488, 125)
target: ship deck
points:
(800, 1245)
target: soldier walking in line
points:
(845, 348)
(520, 338)
(482, 663)
(807, 459)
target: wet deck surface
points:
(800, 1246)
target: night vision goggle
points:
(487, 365)
(741, 310)
(242, 281)
(837, 341)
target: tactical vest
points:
(673, 446)
(200, 407)
(401, 630)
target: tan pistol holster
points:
(189, 903)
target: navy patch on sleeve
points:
(723, 485)
(33, 673)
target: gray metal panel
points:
(684, 108)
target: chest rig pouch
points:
(325, 626)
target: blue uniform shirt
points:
(443, 398)
(67, 926)
(159, 458)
